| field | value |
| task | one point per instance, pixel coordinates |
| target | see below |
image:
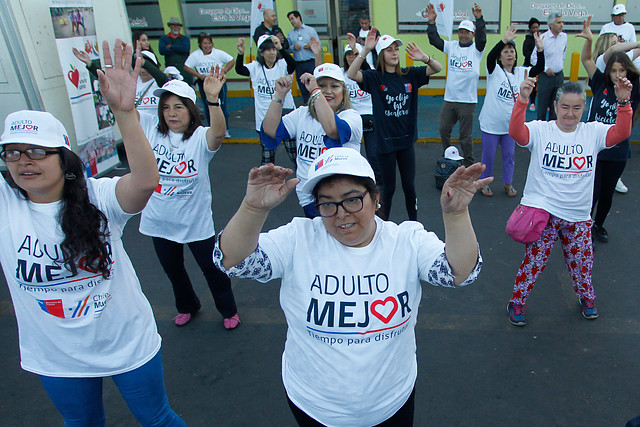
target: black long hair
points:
(627, 64)
(84, 226)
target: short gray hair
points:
(571, 87)
(553, 16)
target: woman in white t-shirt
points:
(271, 63)
(200, 62)
(503, 86)
(328, 120)
(179, 211)
(75, 293)
(351, 284)
(560, 181)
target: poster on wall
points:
(74, 28)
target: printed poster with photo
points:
(74, 28)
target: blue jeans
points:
(79, 400)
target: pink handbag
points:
(525, 224)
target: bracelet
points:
(427, 62)
(623, 102)
(314, 91)
(278, 100)
(360, 56)
(214, 104)
(313, 97)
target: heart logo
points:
(82, 265)
(579, 162)
(381, 316)
(442, 7)
(74, 76)
(145, 101)
(29, 127)
(180, 167)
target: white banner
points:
(257, 10)
(74, 27)
(444, 20)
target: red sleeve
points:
(622, 129)
(518, 131)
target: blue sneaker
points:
(516, 314)
(589, 310)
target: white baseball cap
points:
(386, 41)
(618, 9)
(452, 153)
(329, 70)
(150, 56)
(263, 38)
(334, 161)
(467, 25)
(36, 128)
(177, 87)
(173, 72)
(347, 47)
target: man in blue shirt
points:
(175, 47)
(299, 47)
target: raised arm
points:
(432, 31)
(212, 86)
(481, 28)
(623, 47)
(539, 49)
(370, 42)
(621, 130)
(417, 54)
(326, 116)
(267, 188)
(461, 245)
(240, 67)
(316, 48)
(118, 87)
(517, 130)
(273, 116)
(585, 57)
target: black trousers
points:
(406, 161)
(171, 257)
(604, 186)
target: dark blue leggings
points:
(79, 400)
(406, 160)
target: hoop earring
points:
(69, 176)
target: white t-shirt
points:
(562, 166)
(310, 136)
(498, 103)
(463, 74)
(180, 208)
(360, 99)
(350, 354)
(73, 326)
(202, 63)
(148, 101)
(626, 30)
(263, 89)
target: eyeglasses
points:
(31, 153)
(351, 205)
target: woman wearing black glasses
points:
(80, 309)
(350, 284)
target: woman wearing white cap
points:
(351, 284)
(272, 62)
(80, 309)
(179, 211)
(327, 121)
(394, 92)
(503, 88)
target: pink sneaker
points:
(182, 319)
(232, 322)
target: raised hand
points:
(118, 81)
(459, 188)
(586, 29)
(371, 40)
(213, 82)
(268, 187)
(623, 89)
(82, 56)
(351, 40)
(527, 86)
(309, 81)
(240, 46)
(431, 13)
(477, 11)
(315, 45)
(416, 53)
(283, 84)
(539, 41)
(509, 34)
(276, 42)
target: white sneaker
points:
(227, 134)
(620, 187)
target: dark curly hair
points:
(83, 224)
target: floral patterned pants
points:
(577, 248)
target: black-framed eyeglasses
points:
(352, 205)
(31, 153)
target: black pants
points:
(604, 185)
(371, 146)
(301, 68)
(547, 88)
(171, 258)
(402, 418)
(406, 160)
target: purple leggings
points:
(489, 146)
(577, 248)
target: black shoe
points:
(600, 233)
